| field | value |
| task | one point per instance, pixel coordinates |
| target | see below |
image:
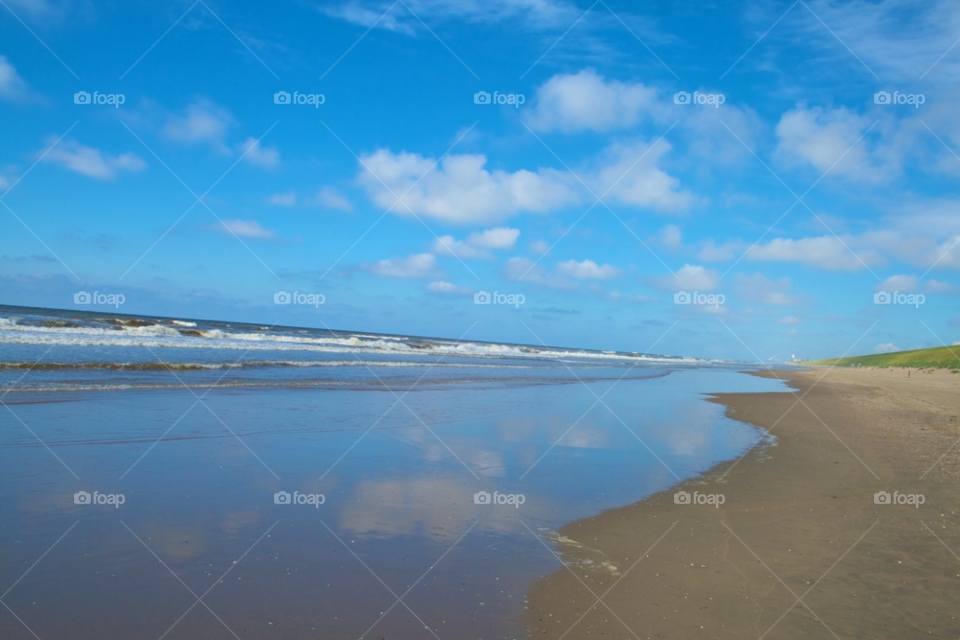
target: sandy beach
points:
(798, 548)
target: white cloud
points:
(898, 39)
(12, 86)
(539, 247)
(288, 199)
(789, 320)
(759, 288)
(245, 229)
(449, 246)
(825, 252)
(460, 189)
(330, 198)
(89, 161)
(476, 244)
(938, 286)
(588, 269)
(586, 101)
(201, 122)
(709, 251)
(639, 182)
(903, 284)
(689, 278)
(440, 286)
(497, 238)
(423, 265)
(537, 14)
(671, 237)
(820, 138)
(259, 155)
(520, 269)
(886, 347)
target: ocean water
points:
(387, 447)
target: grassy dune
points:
(937, 358)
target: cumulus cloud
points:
(710, 251)
(450, 246)
(288, 199)
(820, 137)
(245, 229)
(439, 286)
(586, 101)
(689, 278)
(12, 86)
(330, 198)
(903, 284)
(89, 161)
(789, 320)
(520, 269)
(671, 237)
(423, 265)
(938, 286)
(259, 155)
(588, 269)
(460, 189)
(759, 288)
(639, 182)
(824, 252)
(886, 347)
(201, 122)
(476, 245)
(496, 238)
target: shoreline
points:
(798, 520)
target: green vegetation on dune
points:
(936, 358)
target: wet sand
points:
(799, 549)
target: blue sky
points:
(600, 197)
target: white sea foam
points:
(160, 335)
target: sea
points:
(186, 478)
